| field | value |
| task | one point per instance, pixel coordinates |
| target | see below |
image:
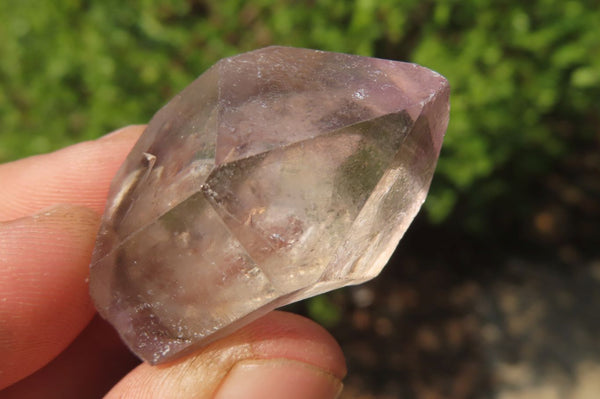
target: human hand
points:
(52, 343)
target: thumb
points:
(44, 301)
(278, 356)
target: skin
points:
(52, 343)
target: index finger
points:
(44, 258)
(78, 175)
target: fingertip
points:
(276, 348)
(280, 334)
(127, 133)
(79, 174)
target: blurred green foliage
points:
(324, 310)
(525, 75)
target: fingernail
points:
(278, 379)
(124, 131)
(75, 214)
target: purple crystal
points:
(276, 175)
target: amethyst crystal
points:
(276, 175)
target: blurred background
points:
(495, 290)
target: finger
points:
(44, 300)
(94, 363)
(278, 356)
(79, 175)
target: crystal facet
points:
(277, 175)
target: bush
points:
(525, 76)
